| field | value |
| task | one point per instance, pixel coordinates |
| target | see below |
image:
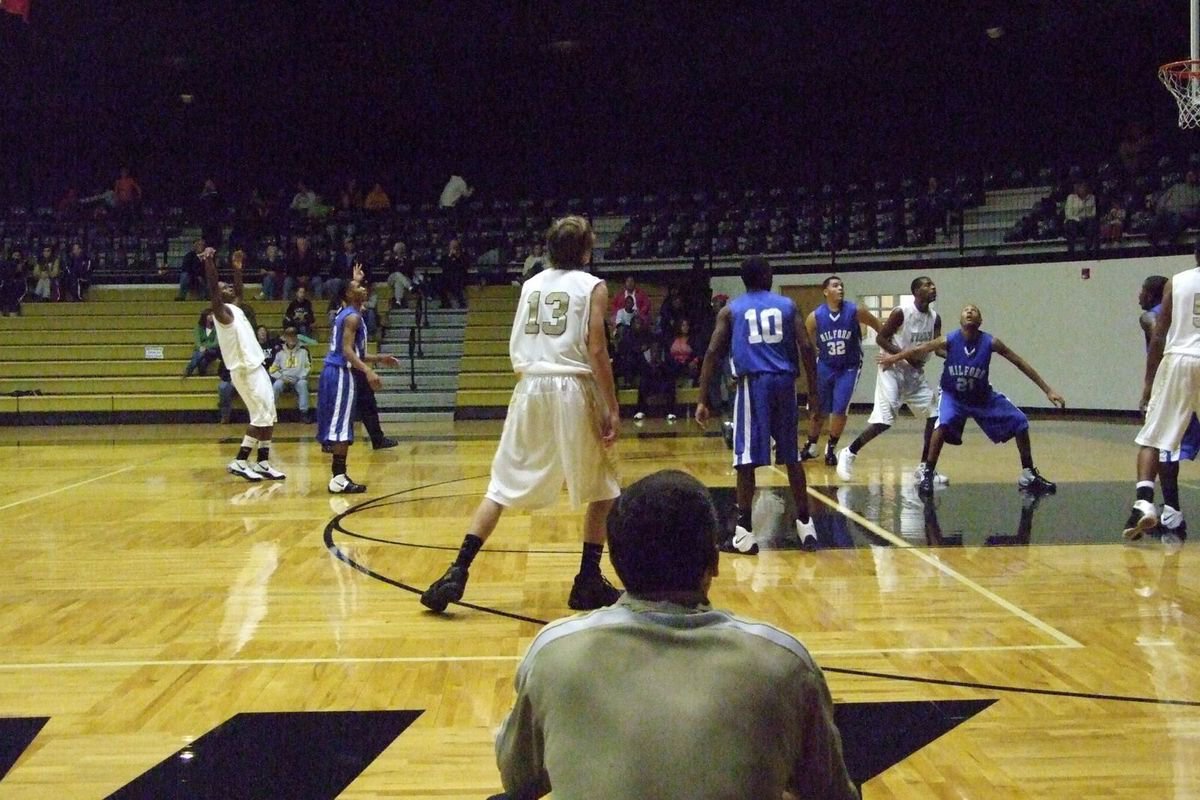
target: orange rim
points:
(1180, 70)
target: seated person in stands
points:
(624, 318)
(630, 360)
(535, 262)
(299, 315)
(13, 277)
(205, 338)
(46, 272)
(1112, 224)
(77, 274)
(191, 272)
(270, 344)
(671, 314)
(657, 378)
(685, 362)
(640, 298)
(290, 369)
(1175, 210)
(273, 269)
(303, 269)
(399, 274)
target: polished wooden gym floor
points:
(164, 624)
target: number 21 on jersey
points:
(766, 325)
(556, 303)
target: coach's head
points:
(662, 537)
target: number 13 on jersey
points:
(556, 303)
(766, 325)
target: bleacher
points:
(120, 356)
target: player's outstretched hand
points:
(1056, 398)
(611, 428)
(886, 360)
(702, 414)
(358, 272)
(208, 254)
(389, 360)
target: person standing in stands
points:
(243, 357)
(562, 420)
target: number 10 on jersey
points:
(766, 325)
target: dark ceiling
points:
(570, 95)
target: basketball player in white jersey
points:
(243, 356)
(1171, 390)
(562, 420)
(911, 323)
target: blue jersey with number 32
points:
(764, 334)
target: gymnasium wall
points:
(1081, 335)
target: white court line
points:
(267, 662)
(68, 486)
(1063, 639)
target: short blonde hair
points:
(568, 241)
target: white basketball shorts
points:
(254, 387)
(551, 436)
(902, 385)
(1174, 397)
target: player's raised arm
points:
(209, 259)
(597, 350)
(896, 356)
(237, 261)
(865, 317)
(718, 350)
(1001, 348)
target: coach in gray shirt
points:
(660, 696)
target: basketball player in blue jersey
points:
(834, 328)
(1171, 516)
(766, 335)
(968, 394)
(336, 392)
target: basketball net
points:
(1182, 79)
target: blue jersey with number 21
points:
(764, 334)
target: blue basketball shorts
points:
(835, 387)
(764, 408)
(335, 405)
(996, 416)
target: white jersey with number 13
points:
(549, 333)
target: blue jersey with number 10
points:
(764, 334)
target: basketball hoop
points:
(1182, 79)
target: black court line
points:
(335, 524)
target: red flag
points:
(20, 7)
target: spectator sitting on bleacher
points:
(400, 275)
(452, 283)
(270, 344)
(683, 354)
(13, 283)
(657, 378)
(624, 317)
(273, 270)
(535, 262)
(206, 350)
(1112, 225)
(671, 314)
(299, 315)
(290, 369)
(1079, 215)
(304, 201)
(1175, 210)
(303, 269)
(77, 274)
(46, 273)
(377, 200)
(931, 213)
(640, 298)
(342, 267)
(191, 271)
(630, 359)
